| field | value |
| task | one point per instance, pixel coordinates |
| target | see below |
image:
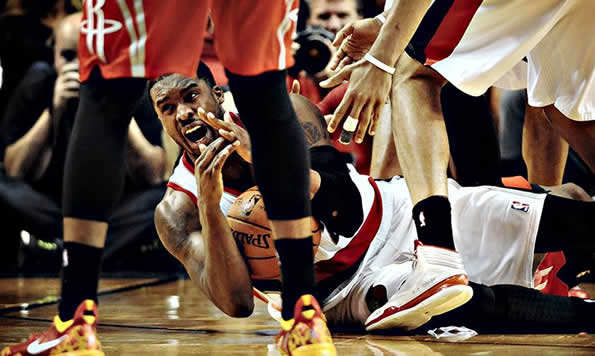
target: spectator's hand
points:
(67, 85)
(354, 41)
(230, 131)
(364, 99)
(209, 164)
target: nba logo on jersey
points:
(516, 205)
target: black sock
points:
(297, 268)
(516, 309)
(433, 221)
(529, 309)
(80, 276)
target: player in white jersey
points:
(474, 44)
(367, 240)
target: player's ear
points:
(218, 94)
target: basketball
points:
(251, 229)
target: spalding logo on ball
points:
(251, 229)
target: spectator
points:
(25, 37)
(36, 132)
(333, 15)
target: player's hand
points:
(208, 167)
(363, 100)
(353, 42)
(67, 85)
(229, 130)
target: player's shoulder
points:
(182, 178)
(174, 203)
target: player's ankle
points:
(297, 272)
(433, 221)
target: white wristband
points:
(381, 18)
(390, 70)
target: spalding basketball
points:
(251, 229)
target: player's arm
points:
(403, 18)
(369, 81)
(201, 238)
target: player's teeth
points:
(193, 129)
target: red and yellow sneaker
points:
(75, 337)
(306, 334)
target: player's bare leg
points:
(544, 151)
(88, 232)
(580, 135)
(438, 282)
(292, 229)
(418, 128)
(385, 163)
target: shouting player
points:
(122, 43)
(365, 270)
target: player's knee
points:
(409, 71)
(576, 192)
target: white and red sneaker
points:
(438, 283)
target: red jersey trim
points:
(236, 119)
(231, 191)
(356, 249)
(451, 30)
(174, 186)
(189, 166)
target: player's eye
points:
(167, 109)
(342, 15)
(190, 97)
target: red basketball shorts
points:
(150, 38)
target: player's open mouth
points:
(196, 133)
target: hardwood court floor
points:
(161, 317)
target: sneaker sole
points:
(443, 301)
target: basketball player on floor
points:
(364, 272)
(472, 44)
(122, 43)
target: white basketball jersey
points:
(183, 180)
(494, 230)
